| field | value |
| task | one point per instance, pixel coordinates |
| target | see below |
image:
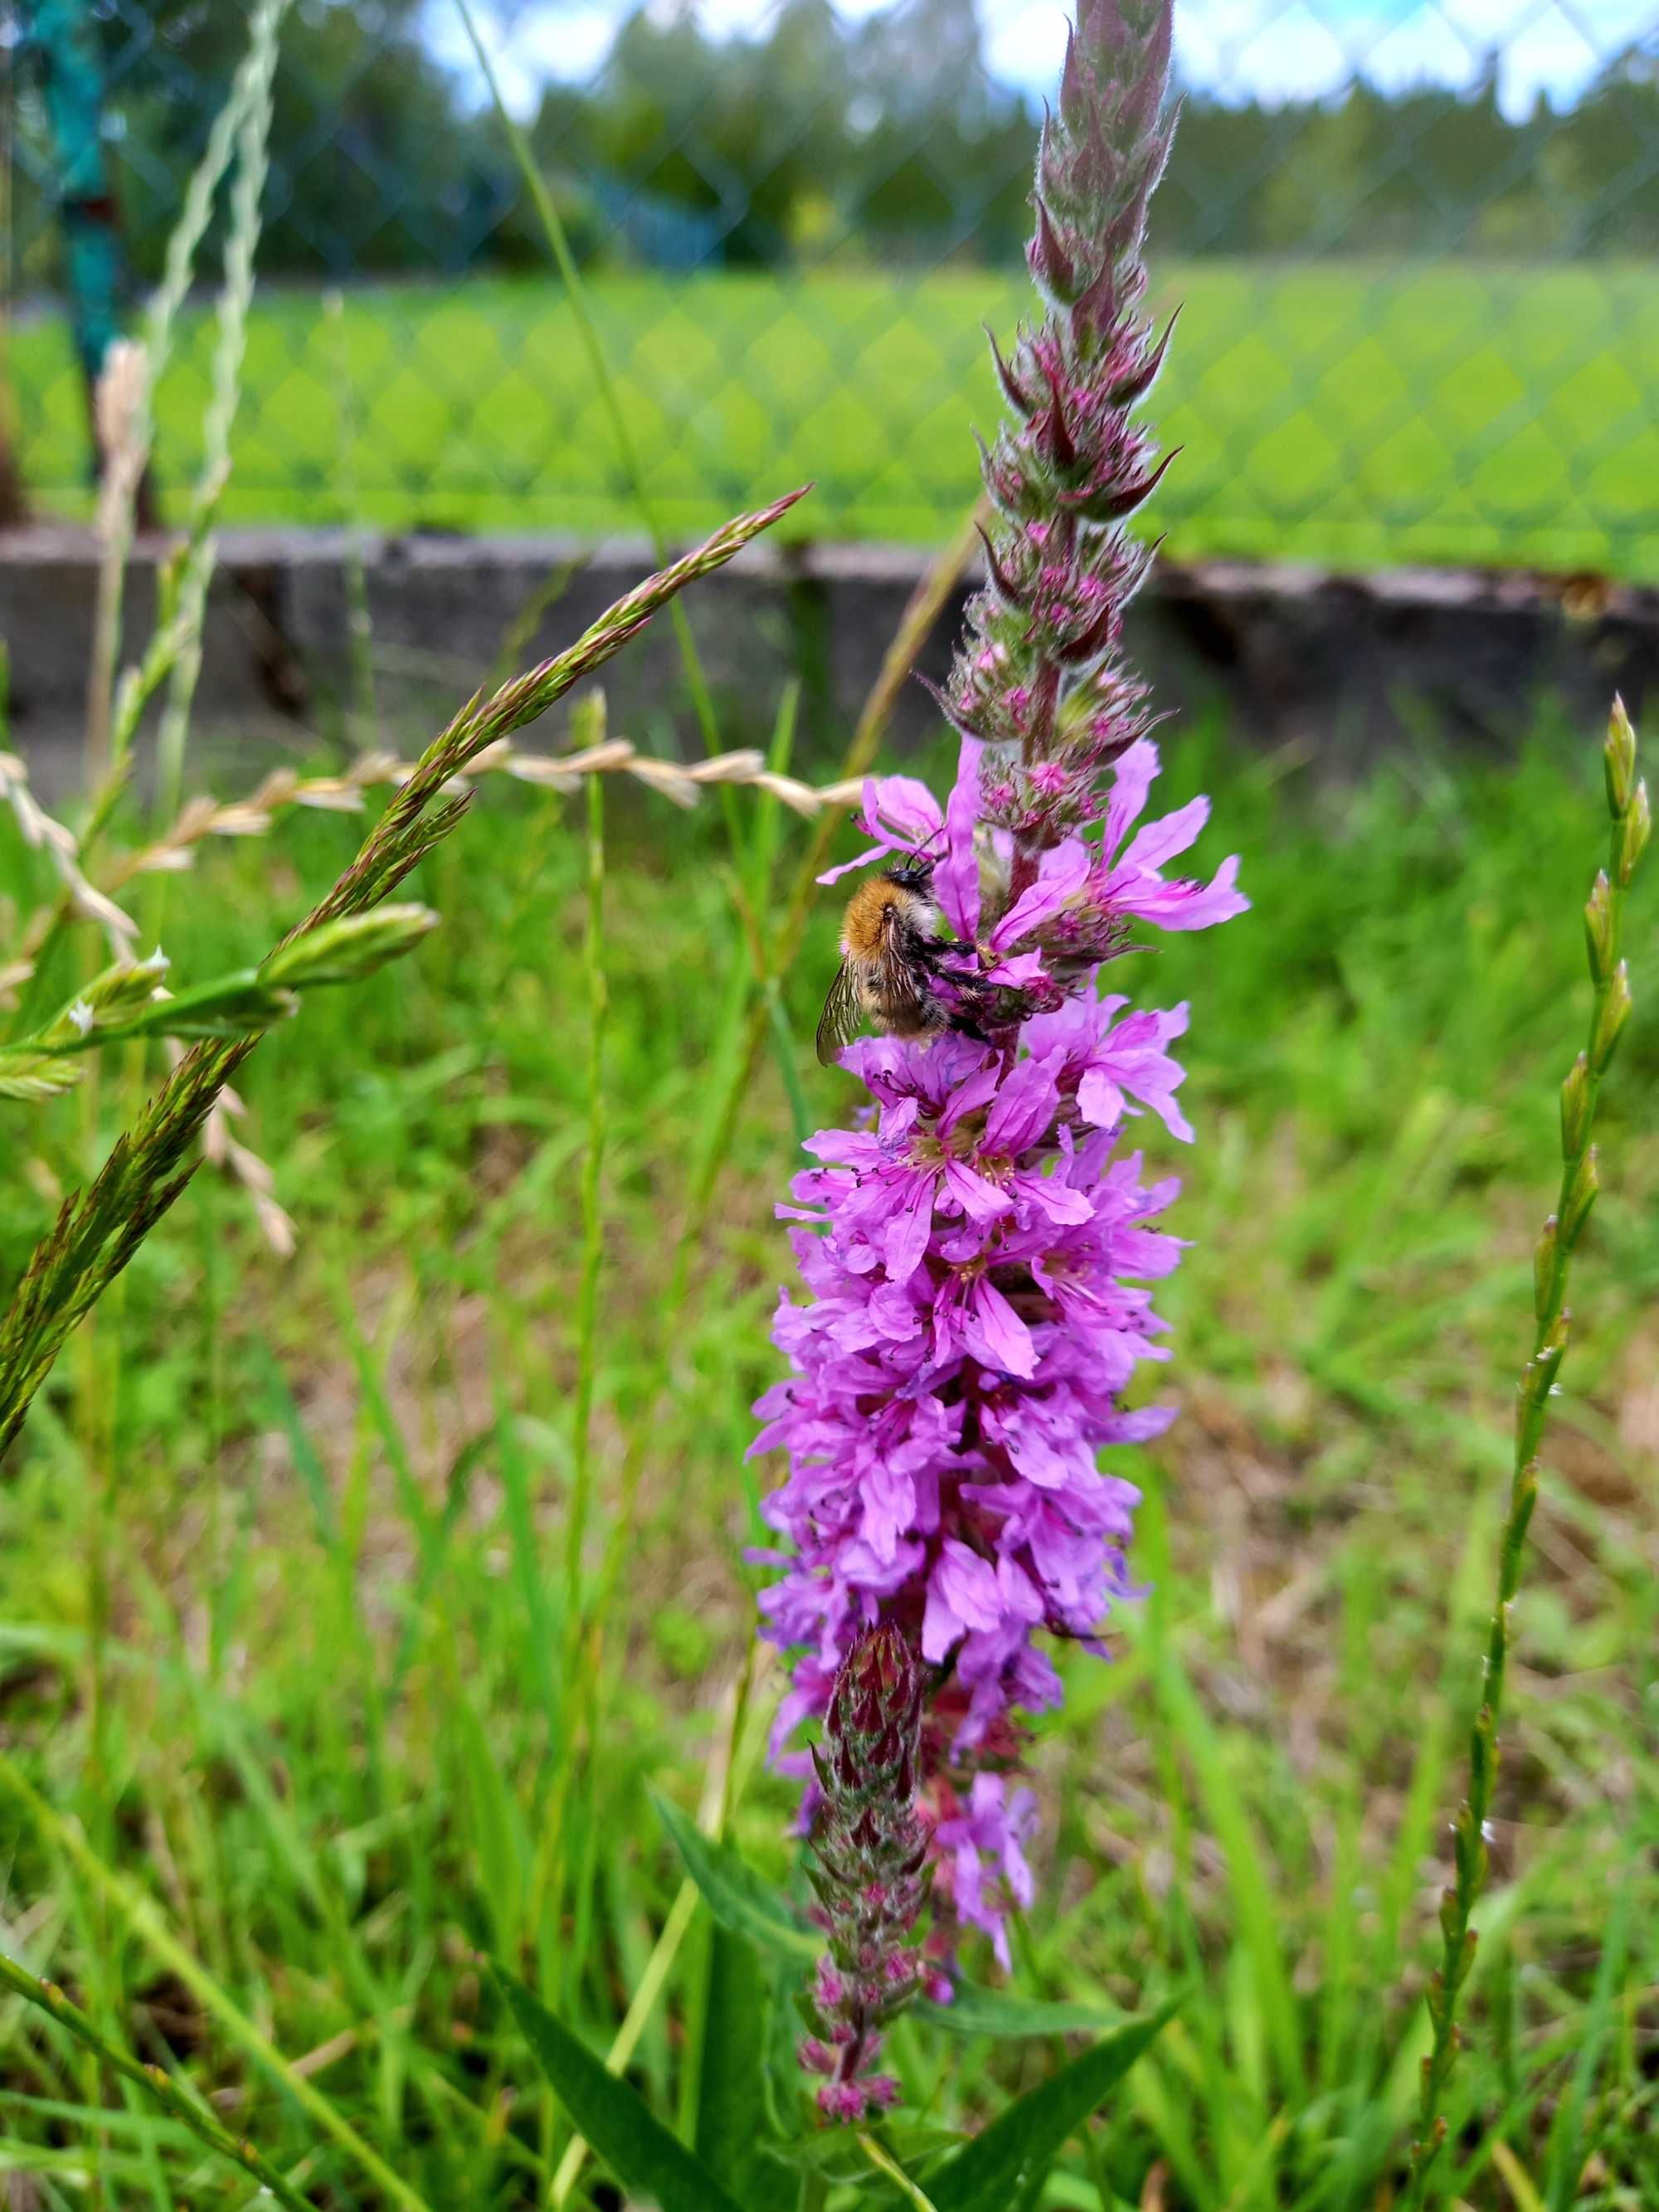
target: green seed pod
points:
(1576, 1108)
(1634, 830)
(1619, 759)
(1598, 928)
(1581, 1196)
(1610, 1022)
(1543, 1269)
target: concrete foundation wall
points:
(1342, 666)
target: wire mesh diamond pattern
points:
(1414, 241)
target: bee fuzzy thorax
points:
(876, 912)
(897, 970)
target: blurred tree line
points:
(884, 137)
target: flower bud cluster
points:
(1038, 680)
(870, 1873)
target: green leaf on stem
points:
(639, 2151)
(733, 2124)
(1024, 2141)
(976, 2011)
(741, 1900)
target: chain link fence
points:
(1417, 244)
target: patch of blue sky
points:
(1270, 50)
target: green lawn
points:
(282, 1616)
(1344, 413)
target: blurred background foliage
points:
(886, 135)
(1414, 240)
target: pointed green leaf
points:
(976, 2011)
(639, 2151)
(1025, 2140)
(741, 1900)
(734, 2125)
(783, 2085)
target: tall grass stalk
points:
(145, 1923)
(235, 298)
(605, 382)
(118, 403)
(178, 267)
(124, 401)
(362, 718)
(43, 832)
(155, 2083)
(1628, 810)
(174, 850)
(180, 636)
(589, 726)
(97, 1233)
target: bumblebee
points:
(895, 968)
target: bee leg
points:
(963, 1000)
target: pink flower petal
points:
(1099, 1100)
(995, 1333)
(969, 1584)
(1184, 904)
(980, 1201)
(1131, 780)
(940, 1627)
(903, 802)
(956, 880)
(1064, 872)
(906, 1235)
(1018, 974)
(859, 861)
(1158, 841)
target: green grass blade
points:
(884, 2163)
(619, 2124)
(731, 2121)
(145, 1922)
(154, 2082)
(1027, 2138)
(1191, 1729)
(741, 1900)
(591, 731)
(976, 2011)
(1568, 2150)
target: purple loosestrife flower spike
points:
(869, 1875)
(976, 1249)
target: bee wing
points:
(904, 994)
(840, 1016)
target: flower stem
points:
(591, 716)
(1627, 806)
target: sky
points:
(1273, 49)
